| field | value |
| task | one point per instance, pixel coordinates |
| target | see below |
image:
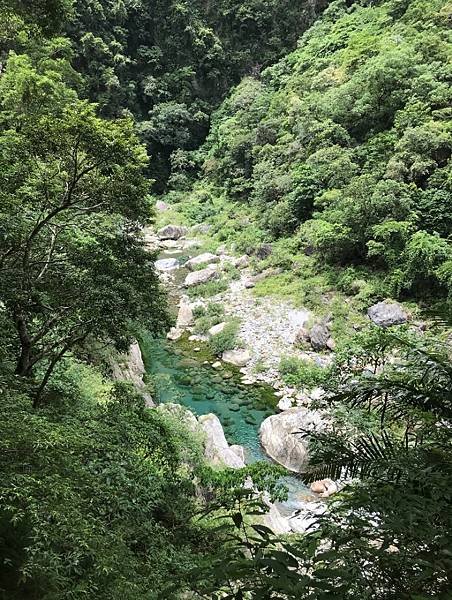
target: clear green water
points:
(180, 376)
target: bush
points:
(226, 340)
(302, 373)
(205, 290)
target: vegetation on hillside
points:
(344, 145)
(340, 154)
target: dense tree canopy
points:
(349, 136)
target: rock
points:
(161, 206)
(174, 334)
(274, 520)
(263, 251)
(302, 336)
(241, 262)
(217, 450)
(188, 244)
(203, 259)
(331, 344)
(280, 440)
(184, 316)
(249, 283)
(239, 450)
(217, 365)
(181, 413)
(324, 487)
(201, 276)
(171, 232)
(130, 367)
(306, 517)
(166, 264)
(201, 228)
(319, 336)
(317, 393)
(221, 250)
(239, 357)
(285, 403)
(386, 314)
(216, 329)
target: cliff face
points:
(130, 367)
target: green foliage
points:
(208, 289)
(96, 498)
(226, 339)
(302, 373)
(347, 142)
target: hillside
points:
(343, 150)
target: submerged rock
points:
(217, 450)
(171, 232)
(386, 314)
(281, 440)
(202, 276)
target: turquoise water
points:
(180, 376)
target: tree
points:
(73, 198)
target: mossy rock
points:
(234, 407)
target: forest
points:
(291, 159)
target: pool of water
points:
(181, 376)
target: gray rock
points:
(203, 259)
(264, 250)
(319, 336)
(280, 440)
(239, 357)
(386, 314)
(217, 450)
(130, 367)
(216, 329)
(174, 334)
(202, 276)
(241, 262)
(184, 316)
(171, 232)
(302, 336)
(201, 228)
(166, 264)
(161, 206)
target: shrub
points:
(226, 340)
(299, 372)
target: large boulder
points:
(238, 358)
(171, 232)
(202, 276)
(202, 259)
(281, 441)
(386, 314)
(184, 316)
(166, 264)
(217, 450)
(319, 336)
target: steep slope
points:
(344, 144)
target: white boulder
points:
(281, 439)
(202, 276)
(202, 259)
(238, 358)
(217, 450)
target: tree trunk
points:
(24, 362)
